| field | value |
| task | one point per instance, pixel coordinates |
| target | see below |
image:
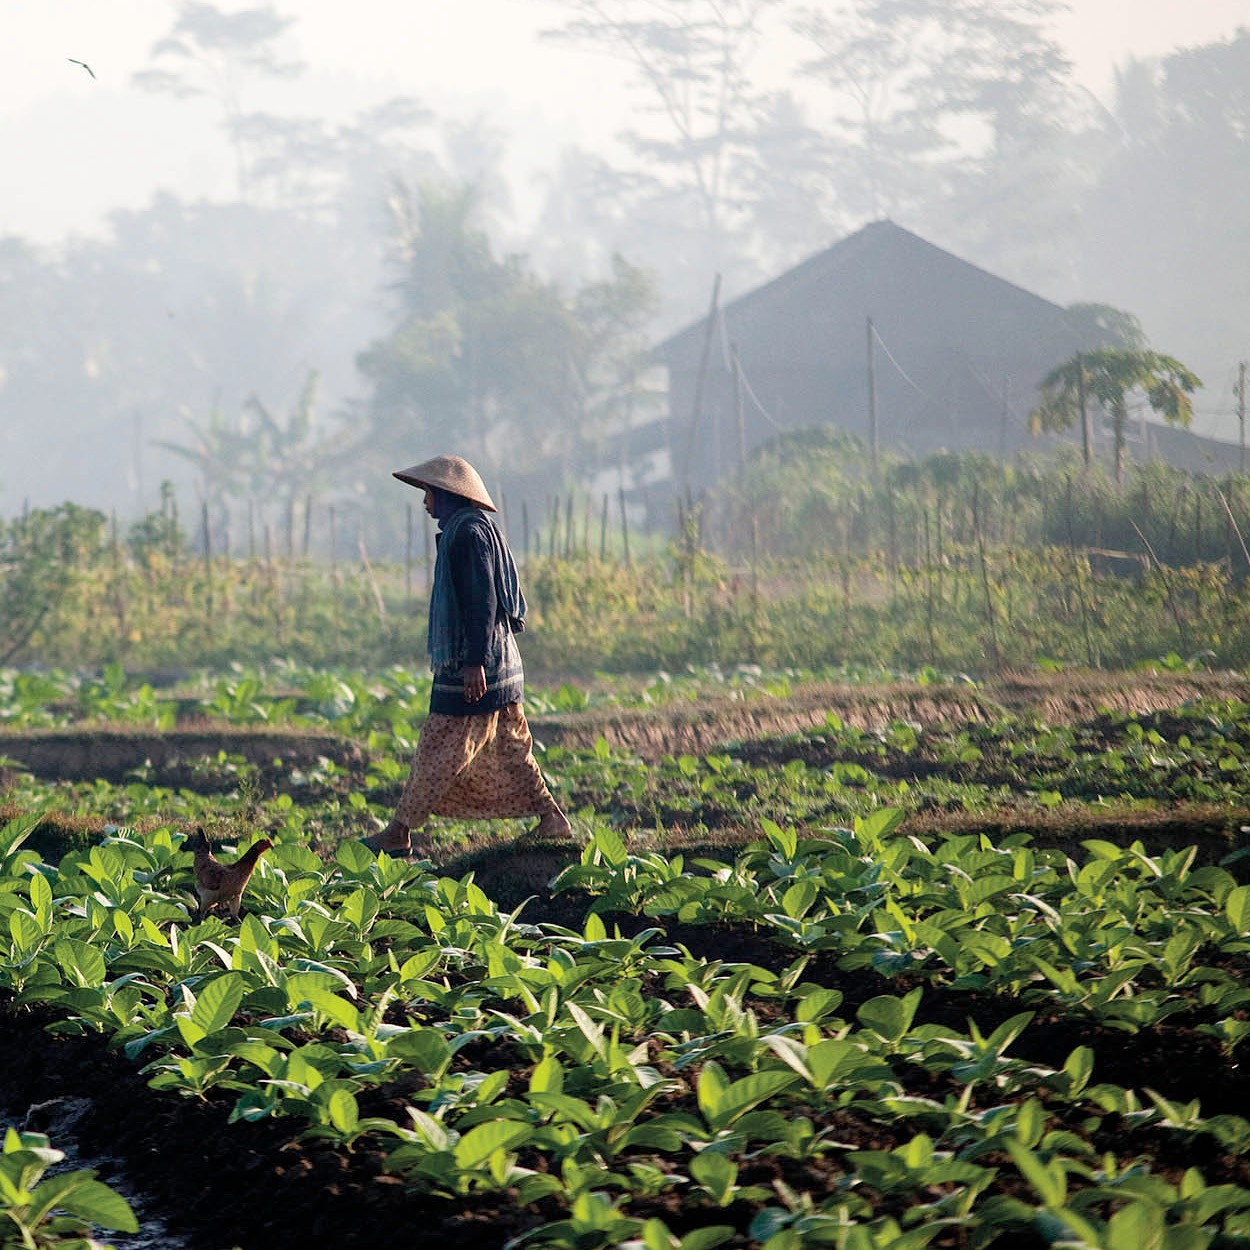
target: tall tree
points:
(1108, 375)
(688, 182)
(484, 352)
(1163, 229)
(210, 52)
(946, 114)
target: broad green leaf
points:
(91, 1200)
(711, 1091)
(24, 929)
(40, 895)
(354, 857)
(706, 1238)
(1047, 1179)
(590, 1030)
(989, 948)
(715, 1173)
(344, 1114)
(887, 1016)
(610, 845)
(82, 964)
(427, 1050)
(416, 966)
(1138, 1225)
(752, 1090)
(359, 909)
(334, 1008)
(218, 1001)
(876, 825)
(1237, 907)
(547, 1077)
(479, 1143)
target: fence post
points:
(620, 491)
(408, 560)
(208, 558)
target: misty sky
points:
(73, 147)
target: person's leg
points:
(447, 747)
(520, 777)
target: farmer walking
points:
(474, 759)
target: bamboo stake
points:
(624, 523)
(1167, 586)
(378, 601)
(985, 575)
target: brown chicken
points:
(216, 882)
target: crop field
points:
(862, 962)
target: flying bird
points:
(216, 882)
(84, 64)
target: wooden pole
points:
(208, 557)
(525, 529)
(308, 508)
(697, 406)
(408, 559)
(873, 432)
(739, 409)
(1241, 414)
(1086, 439)
(620, 494)
(603, 529)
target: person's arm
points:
(473, 574)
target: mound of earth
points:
(1054, 699)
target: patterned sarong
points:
(479, 767)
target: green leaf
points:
(706, 1238)
(334, 1008)
(1048, 1180)
(80, 1195)
(547, 1077)
(609, 844)
(876, 825)
(752, 1090)
(82, 964)
(1237, 908)
(359, 909)
(344, 1113)
(354, 857)
(1079, 1067)
(40, 895)
(711, 1091)
(887, 1016)
(716, 1174)
(427, 1050)
(217, 1002)
(1134, 1226)
(479, 1143)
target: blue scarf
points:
(446, 631)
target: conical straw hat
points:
(449, 473)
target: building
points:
(891, 338)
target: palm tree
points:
(1108, 375)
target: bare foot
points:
(553, 825)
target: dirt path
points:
(1052, 698)
(680, 728)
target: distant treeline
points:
(956, 563)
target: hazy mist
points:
(317, 294)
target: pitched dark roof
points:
(854, 253)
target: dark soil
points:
(254, 1186)
(113, 754)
